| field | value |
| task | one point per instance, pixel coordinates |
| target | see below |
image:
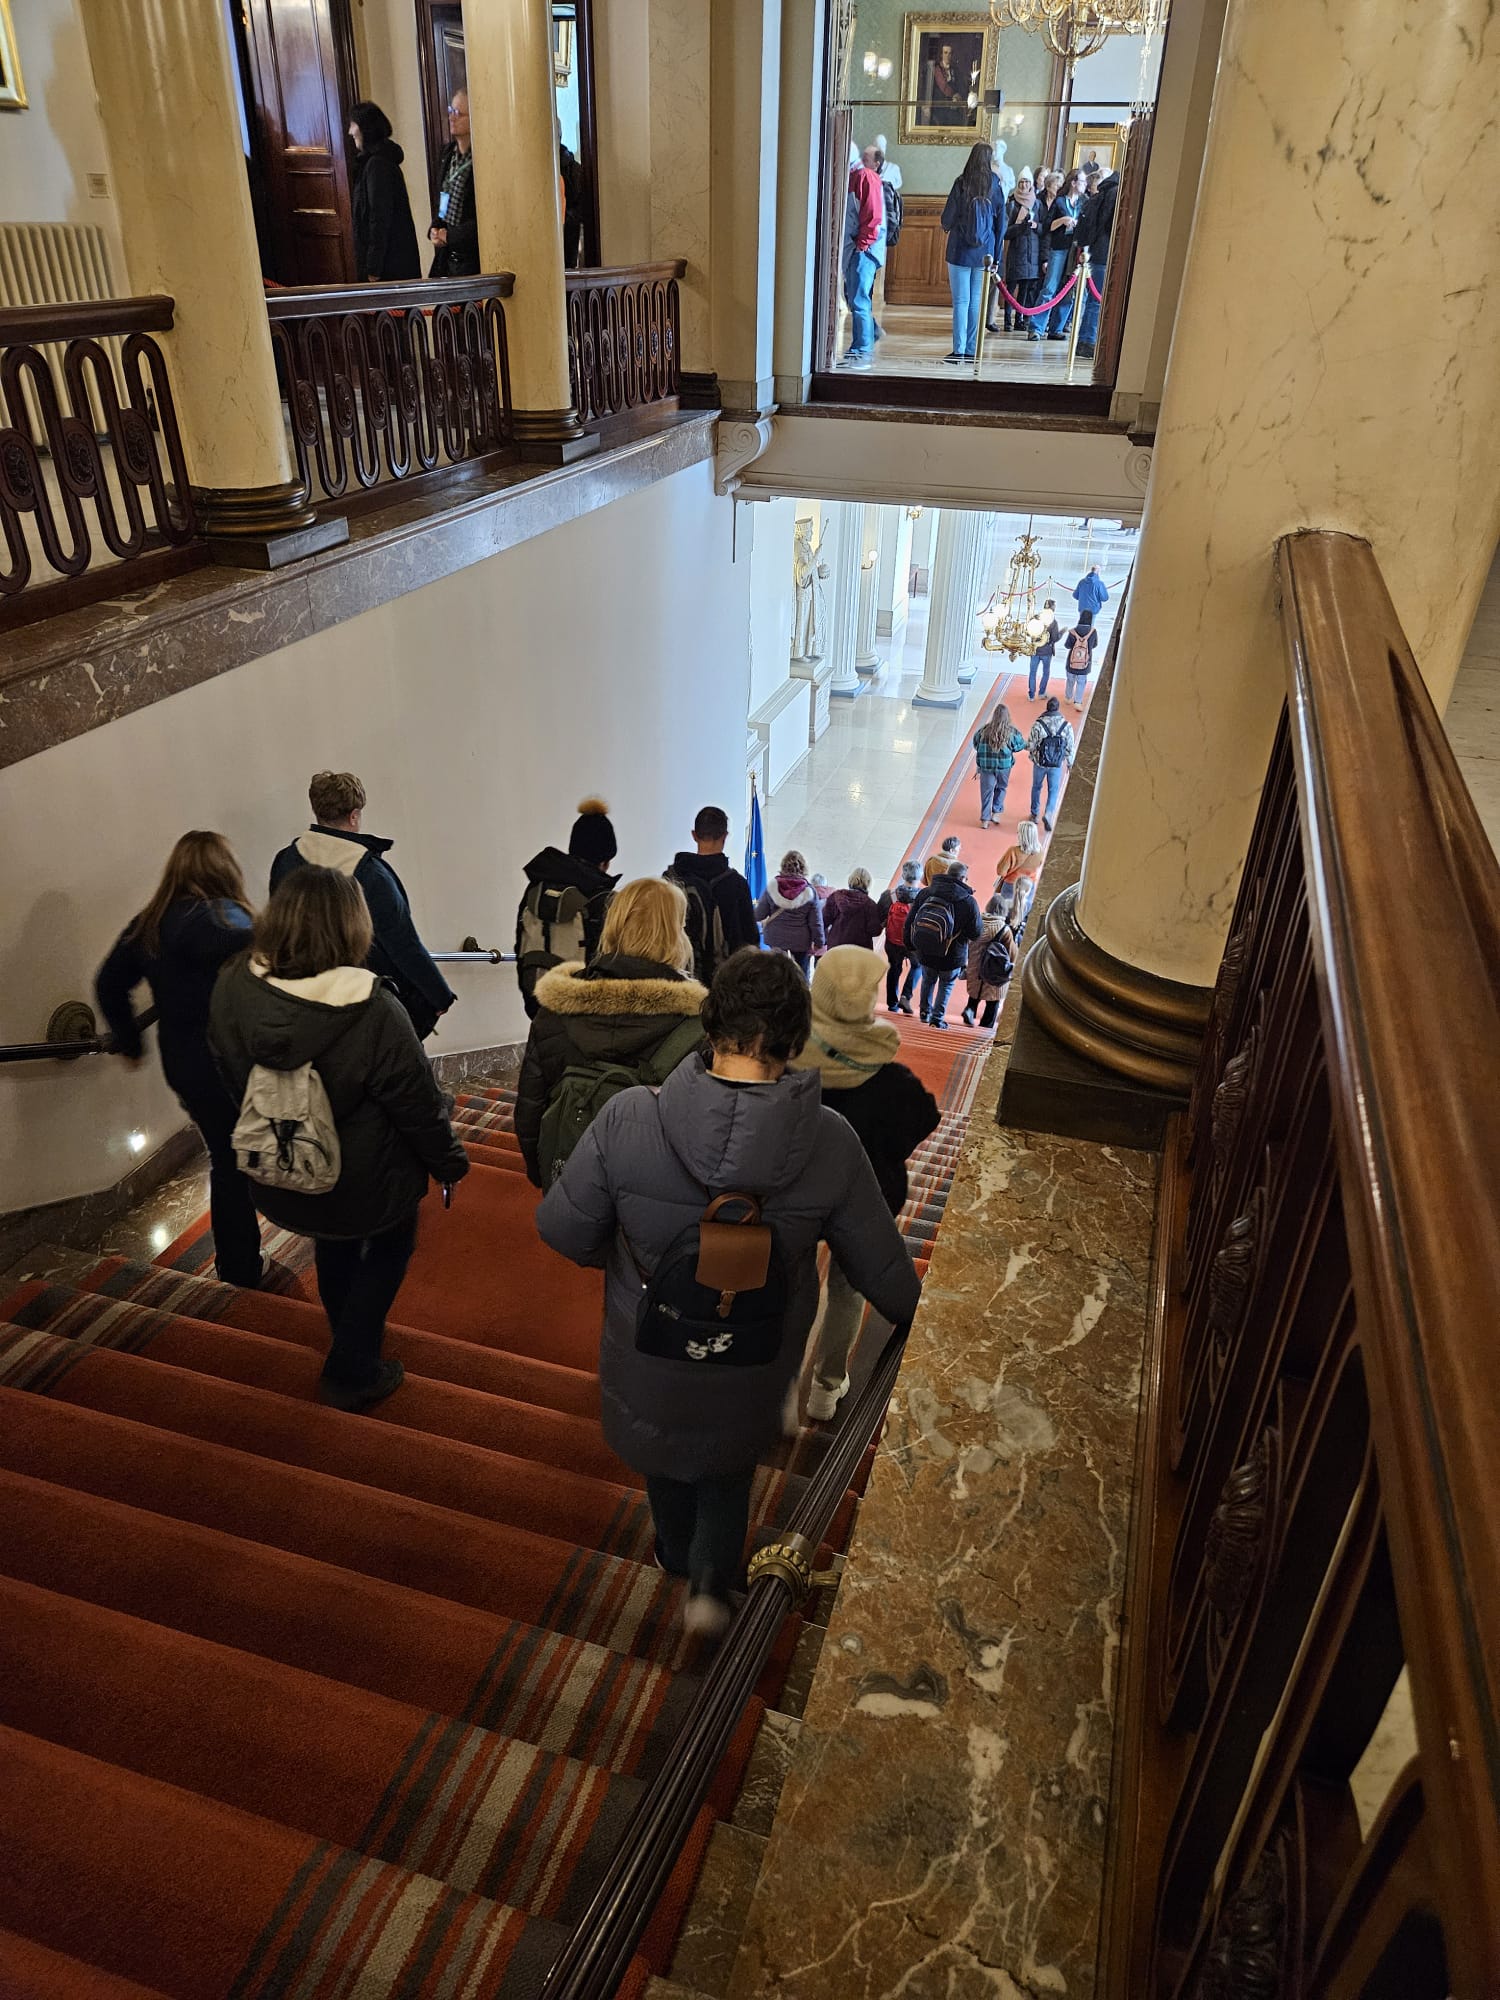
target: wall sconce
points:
(876, 64)
(913, 513)
(883, 69)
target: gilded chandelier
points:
(1006, 620)
(1074, 29)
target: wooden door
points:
(916, 273)
(444, 68)
(302, 62)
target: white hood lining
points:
(339, 986)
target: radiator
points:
(50, 264)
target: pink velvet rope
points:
(1046, 304)
(1096, 291)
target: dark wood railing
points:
(624, 339)
(1319, 1508)
(384, 382)
(91, 463)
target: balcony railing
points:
(387, 382)
(624, 339)
(1308, 1789)
(92, 472)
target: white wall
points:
(608, 655)
(1113, 77)
(48, 150)
(769, 533)
(385, 34)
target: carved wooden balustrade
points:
(1319, 1509)
(386, 382)
(91, 465)
(624, 341)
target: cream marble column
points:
(513, 120)
(166, 101)
(1335, 364)
(953, 611)
(744, 73)
(867, 660)
(843, 546)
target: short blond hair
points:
(647, 918)
(333, 795)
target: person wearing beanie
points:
(911, 876)
(889, 1108)
(561, 915)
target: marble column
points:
(843, 547)
(891, 597)
(1362, 397)
(953, 611)
(513, 120)
(166, 100)
(867, 660)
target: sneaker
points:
(344, 1396)
(1057, 336)
(1046, 824)
(855, 364)
(968, 1017)
(904, 1008)
(955, 359)
(1086, 350)
(822, 1404)
(706, 1617)
(937, 1021)
(1033, 336)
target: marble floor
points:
(918, 337)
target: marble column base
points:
(265, 527)
(921, 699)
(552, 437)
(848, 690)
(329, 531)
(871, 668)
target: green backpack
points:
(586, 1088)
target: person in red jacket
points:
(864, 254)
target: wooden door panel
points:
(303, 76)
(917, 269)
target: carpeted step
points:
(520, 1376)
(231, 1904)
(606, 1706)
(442, 1409)
(29, 1971)
(469, 1806)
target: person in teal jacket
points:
(995, 749)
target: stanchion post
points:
(984, 316)
(1081, 289)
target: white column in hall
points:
(842, 546)
(867, 660)
(891, 588)
(952, 618)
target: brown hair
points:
(996, 731)
(316, 919)
(333, 795)
(200, 868)
(648, 919)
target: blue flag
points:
(755, 850)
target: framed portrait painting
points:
(948, 62)
(12, 90)
(1099, 145)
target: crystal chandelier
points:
(1007, 618)
(1074, 29)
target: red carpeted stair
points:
(298, 1702)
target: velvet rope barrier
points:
(1096, 291)
(1047, 304)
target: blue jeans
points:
(1053, 781)
(992, 787)
(1076, 685)
(1060, 317)
(1038, 674)
(966, 282)
(1088, 326)
(860, 267)
(932, 1003)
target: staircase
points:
(299, 1702)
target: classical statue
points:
(1003, 168)
(810, 621)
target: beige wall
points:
(385, 34)
(609, 655)
(48, 150)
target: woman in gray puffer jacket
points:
(645, 1171)
(790, 915)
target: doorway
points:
(299, 57)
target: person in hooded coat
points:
(790, 913)
(644, 1172)
(554, 927)
(852, 915)
(854, 1058)
(385, 236)
(303, 994)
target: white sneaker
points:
(822, 1404)
(706, 1617)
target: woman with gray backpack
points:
(341, 1125)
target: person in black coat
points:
(385, 237)
(454, 234)
(1022, 257)
(335, 841)
(721, 911)
(305, 995)
(941, 964)
(890, 1109)
(1095, 228)
(197, 920)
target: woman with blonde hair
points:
(629, 1015)
(197, 920)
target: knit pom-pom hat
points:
(593, 836)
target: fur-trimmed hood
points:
(791, 892)
(618, 986)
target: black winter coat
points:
(557, 870)
(948, 889)
(385, 237)
(727, 892)
(1023, 241)
(893, 1112)
(1096, 223)
(392, 1119)
(197, 940)
(616, 1010)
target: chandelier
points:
(1074, 29)
(1007, 620)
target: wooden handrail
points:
(1404, 896)
(85, 318)
(327, 301)
(624, 274)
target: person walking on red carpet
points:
(690, 1399)
(854, 1058)
(1052, 748)
(852, 916)
(790, 914)
(303, 1006)
(996, 747)
(943, 920)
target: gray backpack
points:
(285, 1136)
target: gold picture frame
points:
(927, 80)
(563, 32)
(12, 89)
(1104, 143)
